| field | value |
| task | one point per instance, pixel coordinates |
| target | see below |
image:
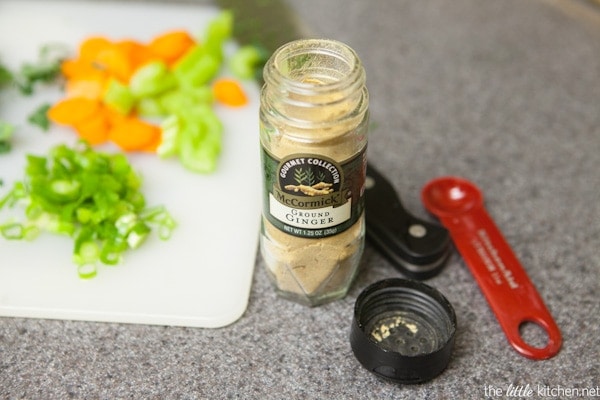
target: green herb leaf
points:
(40, 117)
(6, 76)
(45, 69)
(5, 146)
(6, 131)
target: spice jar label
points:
(313, 196)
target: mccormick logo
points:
(307, 197)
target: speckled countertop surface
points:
(506, 94)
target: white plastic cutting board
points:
(202, 276)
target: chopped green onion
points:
(17, 231)
(87, 253)
(92, 197)
(137, 235)
(87, 271)
(12, 231)
(160, 217)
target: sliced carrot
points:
(153, 145)
(86, 87)
(115, 61)
(229, 92)
(114, 116)
(86, 63)
(138, 53)
(92, 46)
(72, 110)
(94, 129)
(133, 134)
(79, 69)
(171, 45)
(70, 67)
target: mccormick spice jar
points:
(313, 133)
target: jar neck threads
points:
(315, 84)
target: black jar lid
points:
(403, 330)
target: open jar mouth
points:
(315, 84)
(313, 66)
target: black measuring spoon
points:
(415, 247)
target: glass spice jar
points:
(313, 134)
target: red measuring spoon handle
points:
(505, 284)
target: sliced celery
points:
(152, 79)
(119, 97)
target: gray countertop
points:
(504, 93)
